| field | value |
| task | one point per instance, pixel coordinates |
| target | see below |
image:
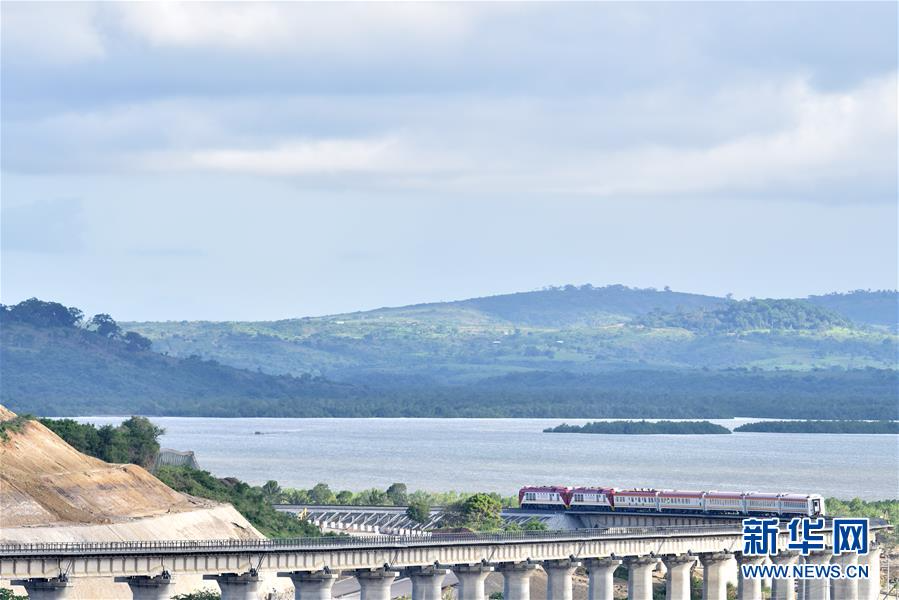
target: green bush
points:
(135, 441)
(250, 501)
(14, 425)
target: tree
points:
(398, 494)
(322, 494)
(344, 497)
(142, 439)
(83, 437)
(419, 511)
(482, 512)
(105, 326)
(272, 491)
(136, 341)
(113, 446)
(371, 497)
(44, 314)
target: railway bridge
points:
(51, 571)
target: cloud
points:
(833, 136)
(531, 99)
(60, 33)
(308, 157)
(51, 32)
(803, 142)
(340, 27)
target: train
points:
(648, 500)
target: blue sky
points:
(262, 161)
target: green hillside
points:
(879, 307)
(582, 330)
(451, 361)
(53, 363)
(751, 315)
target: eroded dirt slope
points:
(45, 483)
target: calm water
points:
(502, 454)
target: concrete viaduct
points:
(49, 571)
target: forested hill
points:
(751, 315)
(870, 307)
(53, 361)
(572, 305)
(582, 329)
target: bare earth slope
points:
(50, 491)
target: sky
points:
(168, 161)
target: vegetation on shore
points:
(396, 494)
(820, 427)
(475, 511)
(642, 428)
(250, 501)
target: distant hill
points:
(771, 359)
(51, 365)
(579, 329)
(585, 305)
(879, 307)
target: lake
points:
(503, 454)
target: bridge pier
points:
(844, 589)
(785, 588)
(818, 589)
(427, 582)
(237, 586)
(558, 578)
(714, 579)
(869, 589)
(43, 588)
(471, 580)
(639, 576)
(600, 573)
(516, 580)
(677, 577)
(748, 588)
(314, 585)
(148, 587)
(374, 584)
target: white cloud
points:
(815, 139)
(832, 136)
(64, 33)
(375, 156)
(313, 27)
